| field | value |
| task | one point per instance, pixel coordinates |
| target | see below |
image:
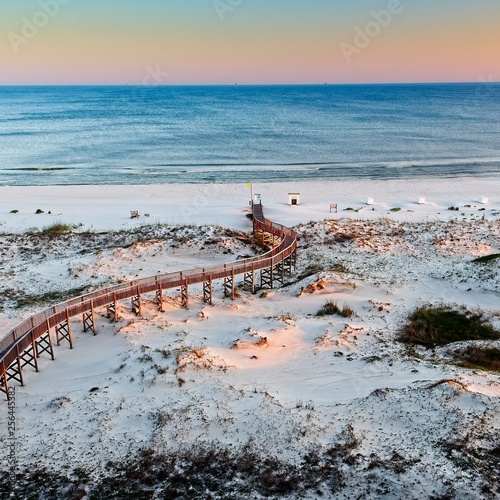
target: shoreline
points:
(106, 207)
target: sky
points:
(176, 42)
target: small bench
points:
(134, 214)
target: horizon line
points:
(237, 84)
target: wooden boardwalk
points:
(35, 336)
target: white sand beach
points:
(263, 371)
(108, 207)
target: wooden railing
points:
(25, 335)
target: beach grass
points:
(58, 228)
(331, 307)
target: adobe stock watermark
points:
(372, 29)
(31, 27)
(11, 435)
(222, 7)
(154, 76)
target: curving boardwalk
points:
(24, 344)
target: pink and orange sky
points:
(248, 41)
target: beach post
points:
(249, 186)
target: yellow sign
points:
(249, 185)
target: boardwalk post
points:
(33, 358)
(16, 373)
(112, 309)
(229, 284)
(185, 294)
(266, 277)
(115, 307)
(224, 286)
(88, 319)
(4, 383)
(136, 302)
(63, 331)
(19, 368)
(249, 279)
(279, 272)
(159, 297)
(207, 291)
(44, 343)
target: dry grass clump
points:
(331, 307)
(433, 326)
(482, 358)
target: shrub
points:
(433, 326)
(484, 358)
(14, 211)
(39, 211)
(487, 258)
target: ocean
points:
(217, 134)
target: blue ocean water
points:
(152, 134)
